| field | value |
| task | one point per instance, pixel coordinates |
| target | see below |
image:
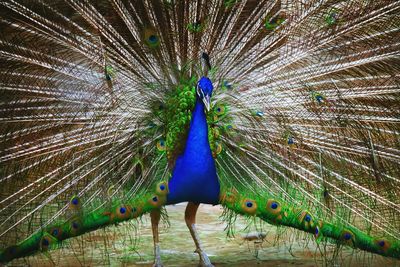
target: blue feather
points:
(194, 177)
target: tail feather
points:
(280, 213)
(114, 213)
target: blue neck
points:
(197, 140)
(194, 177)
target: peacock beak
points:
(206, 101)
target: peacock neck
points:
(197, 140)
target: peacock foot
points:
(158, 263)
(204, 260)
(157, 256)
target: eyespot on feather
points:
(151, 38)
(75, 203)
(11, 252)
(162, 189)
(347, 237)
(220, 110)
(56, 232)
(157, 201)
(382, 244)
(273, 207)
(136, 211)
(249, 206)
(75, 226)
(161, 146)
(46, 241)
(123, 212)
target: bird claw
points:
(157, 262)
(202, 264)
(157, 256)
(204, 260)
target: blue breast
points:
(194, 177)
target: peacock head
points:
(204, 91)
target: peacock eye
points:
(220, 110)
(347, 236)
(122, 210)
(13, 250)
(290, 141)
(75, 225)
(229, 128)
(162, 188)
(75, 201)
(307, 218)
(161, 145)
(155, 199)
(274, 205)
(153, 39)
(316, 231)
(249, 206)
(381, 243)
(45, 242)
(227, 85)
(56, 232)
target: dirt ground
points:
(120, 248)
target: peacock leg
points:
(155, 219)
(190, 218)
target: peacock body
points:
(195, 168)
(285, 111)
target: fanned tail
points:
(306, 108)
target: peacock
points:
(286, 112)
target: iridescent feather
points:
(97, 100)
